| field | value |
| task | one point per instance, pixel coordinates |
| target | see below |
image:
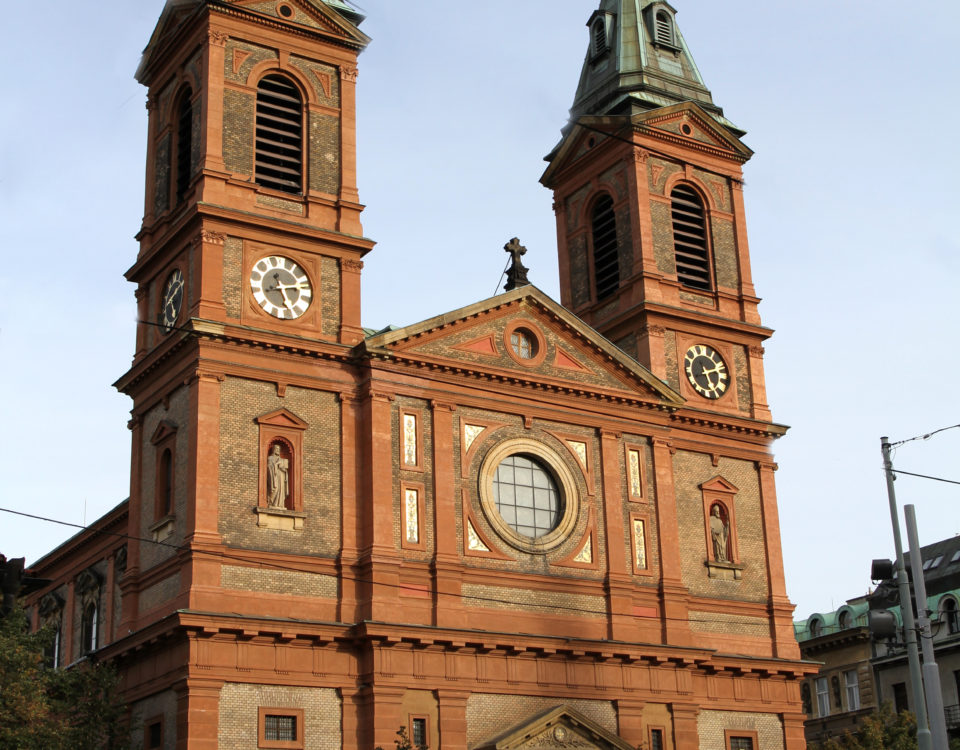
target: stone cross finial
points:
(517, 273)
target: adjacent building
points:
(518, 524)
(860, 672)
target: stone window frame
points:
(731, 734)
(89, 585)
(529, 328)
(286, 427)
(405, 543)
(663, 735)
(718, 491)
(426, 728)
(641, 463)
(417, 414)
(637, 570)
(566, 485)
(164, 441)
(262, 742)
(147, 725)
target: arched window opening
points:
(664, 28)
(845, 621)
(279, 135)
(88, 629)
(816, 630)
(165, 488)
(184, 144)
(690, 238)
(951, 615)
(599, 36)
(606, 263)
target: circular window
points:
(528, 494)
(285, 10)
(523, 344)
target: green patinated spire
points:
(637, 61)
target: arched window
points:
(690, 238)
(88, 628)
(599, 36)
(606, 263)
(845, 620)
(165, 484)
(279, 135)
(663, 26)
(816, 630)
(951, 615)
(184, 125)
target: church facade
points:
(520, 524)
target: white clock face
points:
(172, 300)
(706, 371)
(280, 287)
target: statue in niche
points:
(720, 534)
(278, 478)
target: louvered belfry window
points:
(184, 143)
(599, 36)
(606, 264)
(279, 136)
(664, 28)
(690, 238)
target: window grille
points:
(606, 264)
(280, 728)
(279, 135)
(184, 143)
(741, 743)
(690, 238)
(419, 733)
(656, 739)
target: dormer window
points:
(663, 28)
(601, 31)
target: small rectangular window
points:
(956, 556)
(741, 743)
(936, 561)
(418, 731)
(280, 728)
(656, 739)
(153, 734)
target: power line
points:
(925, 436)
(305, 569)
(924, 476)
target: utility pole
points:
(924, 740)
(931, 674)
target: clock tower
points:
(648, 193)
(251, 243)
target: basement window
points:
(280, 728)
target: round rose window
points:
(526, 496)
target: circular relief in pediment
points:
(528, 494)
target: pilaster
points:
(198, 713)
(446, 563)
(676, 628)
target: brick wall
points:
(238, 714)
(711, 726)
(160, 705)
(241, 402)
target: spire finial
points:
(517, 273)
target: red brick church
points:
(520, 524)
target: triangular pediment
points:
(164, 430)
(282, 418)
(692, 124)
(560, 727)
(309, 15)
(523, 336)
(719, 484)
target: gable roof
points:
(627, 372)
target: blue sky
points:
(850, 107)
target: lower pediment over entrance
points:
(560, 727)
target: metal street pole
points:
(931, 674)
(906, 609)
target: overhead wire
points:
(276, 565)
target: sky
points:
(851, 108)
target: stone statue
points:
(517, 273)
(719, 533)
(278, 473)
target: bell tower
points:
(248, 273)
(648, 193)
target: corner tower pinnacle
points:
(637, 61)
